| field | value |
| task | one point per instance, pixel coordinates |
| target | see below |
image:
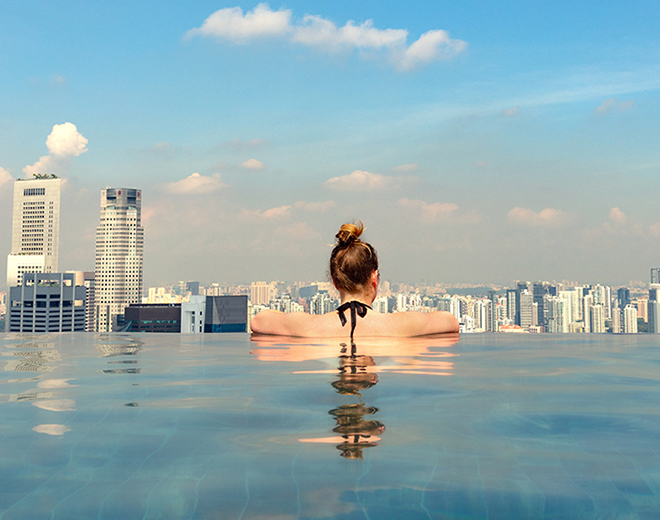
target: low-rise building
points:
(47, 302)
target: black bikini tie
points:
(356, 307)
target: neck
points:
(359, 297)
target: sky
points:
(478, 142)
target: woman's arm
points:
(423, 324)
(280, 323)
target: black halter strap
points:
(356, 307)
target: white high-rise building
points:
(35, 228)
(617, 325)
(597, 318)
(630, 319)
(119, 255)
(572, 299)
(526, 309)
(587, 302)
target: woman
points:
(354, 272)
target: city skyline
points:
(477, 144)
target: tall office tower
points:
(603, 295)
(655, 274)
(630, 320)
(119, 254)
(654, 308)
(597, 315)
(513, 306)
(526, 309)
(617, 325)
(623, 295)
(482, 316)
(587, 302)
(492, 325)
(561, 314)
(35, 234)
(538, 290)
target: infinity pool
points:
(222, 426)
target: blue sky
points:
(477, 142)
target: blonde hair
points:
(352, 261)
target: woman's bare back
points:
(401, 324)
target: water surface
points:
(222, 426)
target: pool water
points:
(224, 426)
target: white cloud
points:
(526, 217)
(315, 31)
(44, 165)
(56, 405)
(431, 46)
(51, 429)
(654, 229)
(63, 142)
(510, 112)
(253, 164)
(315, 207)
(4, 176)
(429, 212)
(612, 104)
(361, 180)
(481, 164)
(230, 24)
(55, 383)
(406, 167)
(617, 216)
(196, 183)
(269, 214)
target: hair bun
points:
(349, 233)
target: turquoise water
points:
(215, 426)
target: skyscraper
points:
(119, 255)
(35, 228)
(526, 310)
(655, 274)
(630, 319)
(623, 295)
(513, 305)
(538, 290)
(654, 308)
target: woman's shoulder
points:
(416, 323)
(293, 324)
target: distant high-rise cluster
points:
(110, 298)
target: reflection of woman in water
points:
(354, 271)
(356, 432)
